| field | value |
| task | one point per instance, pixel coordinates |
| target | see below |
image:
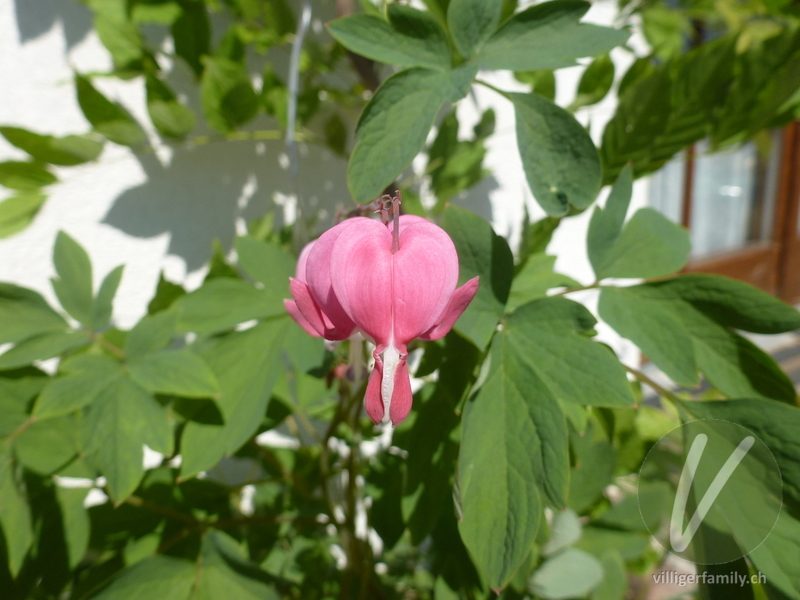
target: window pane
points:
(666, 188)
(733, 197)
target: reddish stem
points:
(396, 201)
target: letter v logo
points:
(681, 538)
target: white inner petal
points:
(391, 358)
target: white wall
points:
(162, 211)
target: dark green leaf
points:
(556, 347)
(246, 365)
(482, 253)
(153, 332)
(393, 128)
(86, 376)
(48, 445)
(472, 22)
(223, 303)
(412, 39)
(161, 13)
(547, 36)
(24, 314)
(122, 419)
(68, 150)
(41, 347)
(595, 82)
(75, 522)
(169, 116)
(542, 82)
(655, 329)
(109, 119)
(73, 286)
(166, 293)
(607, 222)
(103, 302)
(19, 175)
(178, 372)
(559, 157)
(17, 212)
(229, 99)
(191, 33)
(17, 389)
(15, 517)
(162, 577)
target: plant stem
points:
(649, 382)
(493, 88)
(581, 288)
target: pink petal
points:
(317, 272)
(302, 261)
(294, 312)
(402, 396)
(372, 398)
(361, 274)
(458, 304)
(425, 277)
(305, 304)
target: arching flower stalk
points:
(394, 282)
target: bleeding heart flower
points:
(394, 283)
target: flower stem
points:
(396, 201)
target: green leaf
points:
(163, 13)
(17, 389)
(482, 253)
(534, 279)
(15, 516)
(74, 283)
(393, 128)
(555, 346)
(17, 212)
(267, 263)
(162, 577)
(122, 419)
(514, 442)
(75, 519)
(68, 150)
(595, 460)
(774, 423)
(169, 116)
(227, 94)
(655, 329)
(41, 347)
(191, 33)
(122, 39)
(85, 377)
(166, 293)
(570, 574)
(558, 156)
(666, 30)
(153, 332)
(48, 445)
(109, 119)
(24, 314)
(607, 222)
(650, 245)
(472, 22)
(412, 38)
(547, 36)
(777, 557)
(246, 365)
(223, 303)
(103, 302)
(26, 176)
(595, 82)
(178, 372)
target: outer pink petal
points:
(458, 304)
(317, 272)
(302, 261)
(402, 396)
(361, 274)
(372, 398)
(294, 312)
(425, 277)
(306, 306)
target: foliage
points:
(215, 450)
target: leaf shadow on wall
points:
(36, 17)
